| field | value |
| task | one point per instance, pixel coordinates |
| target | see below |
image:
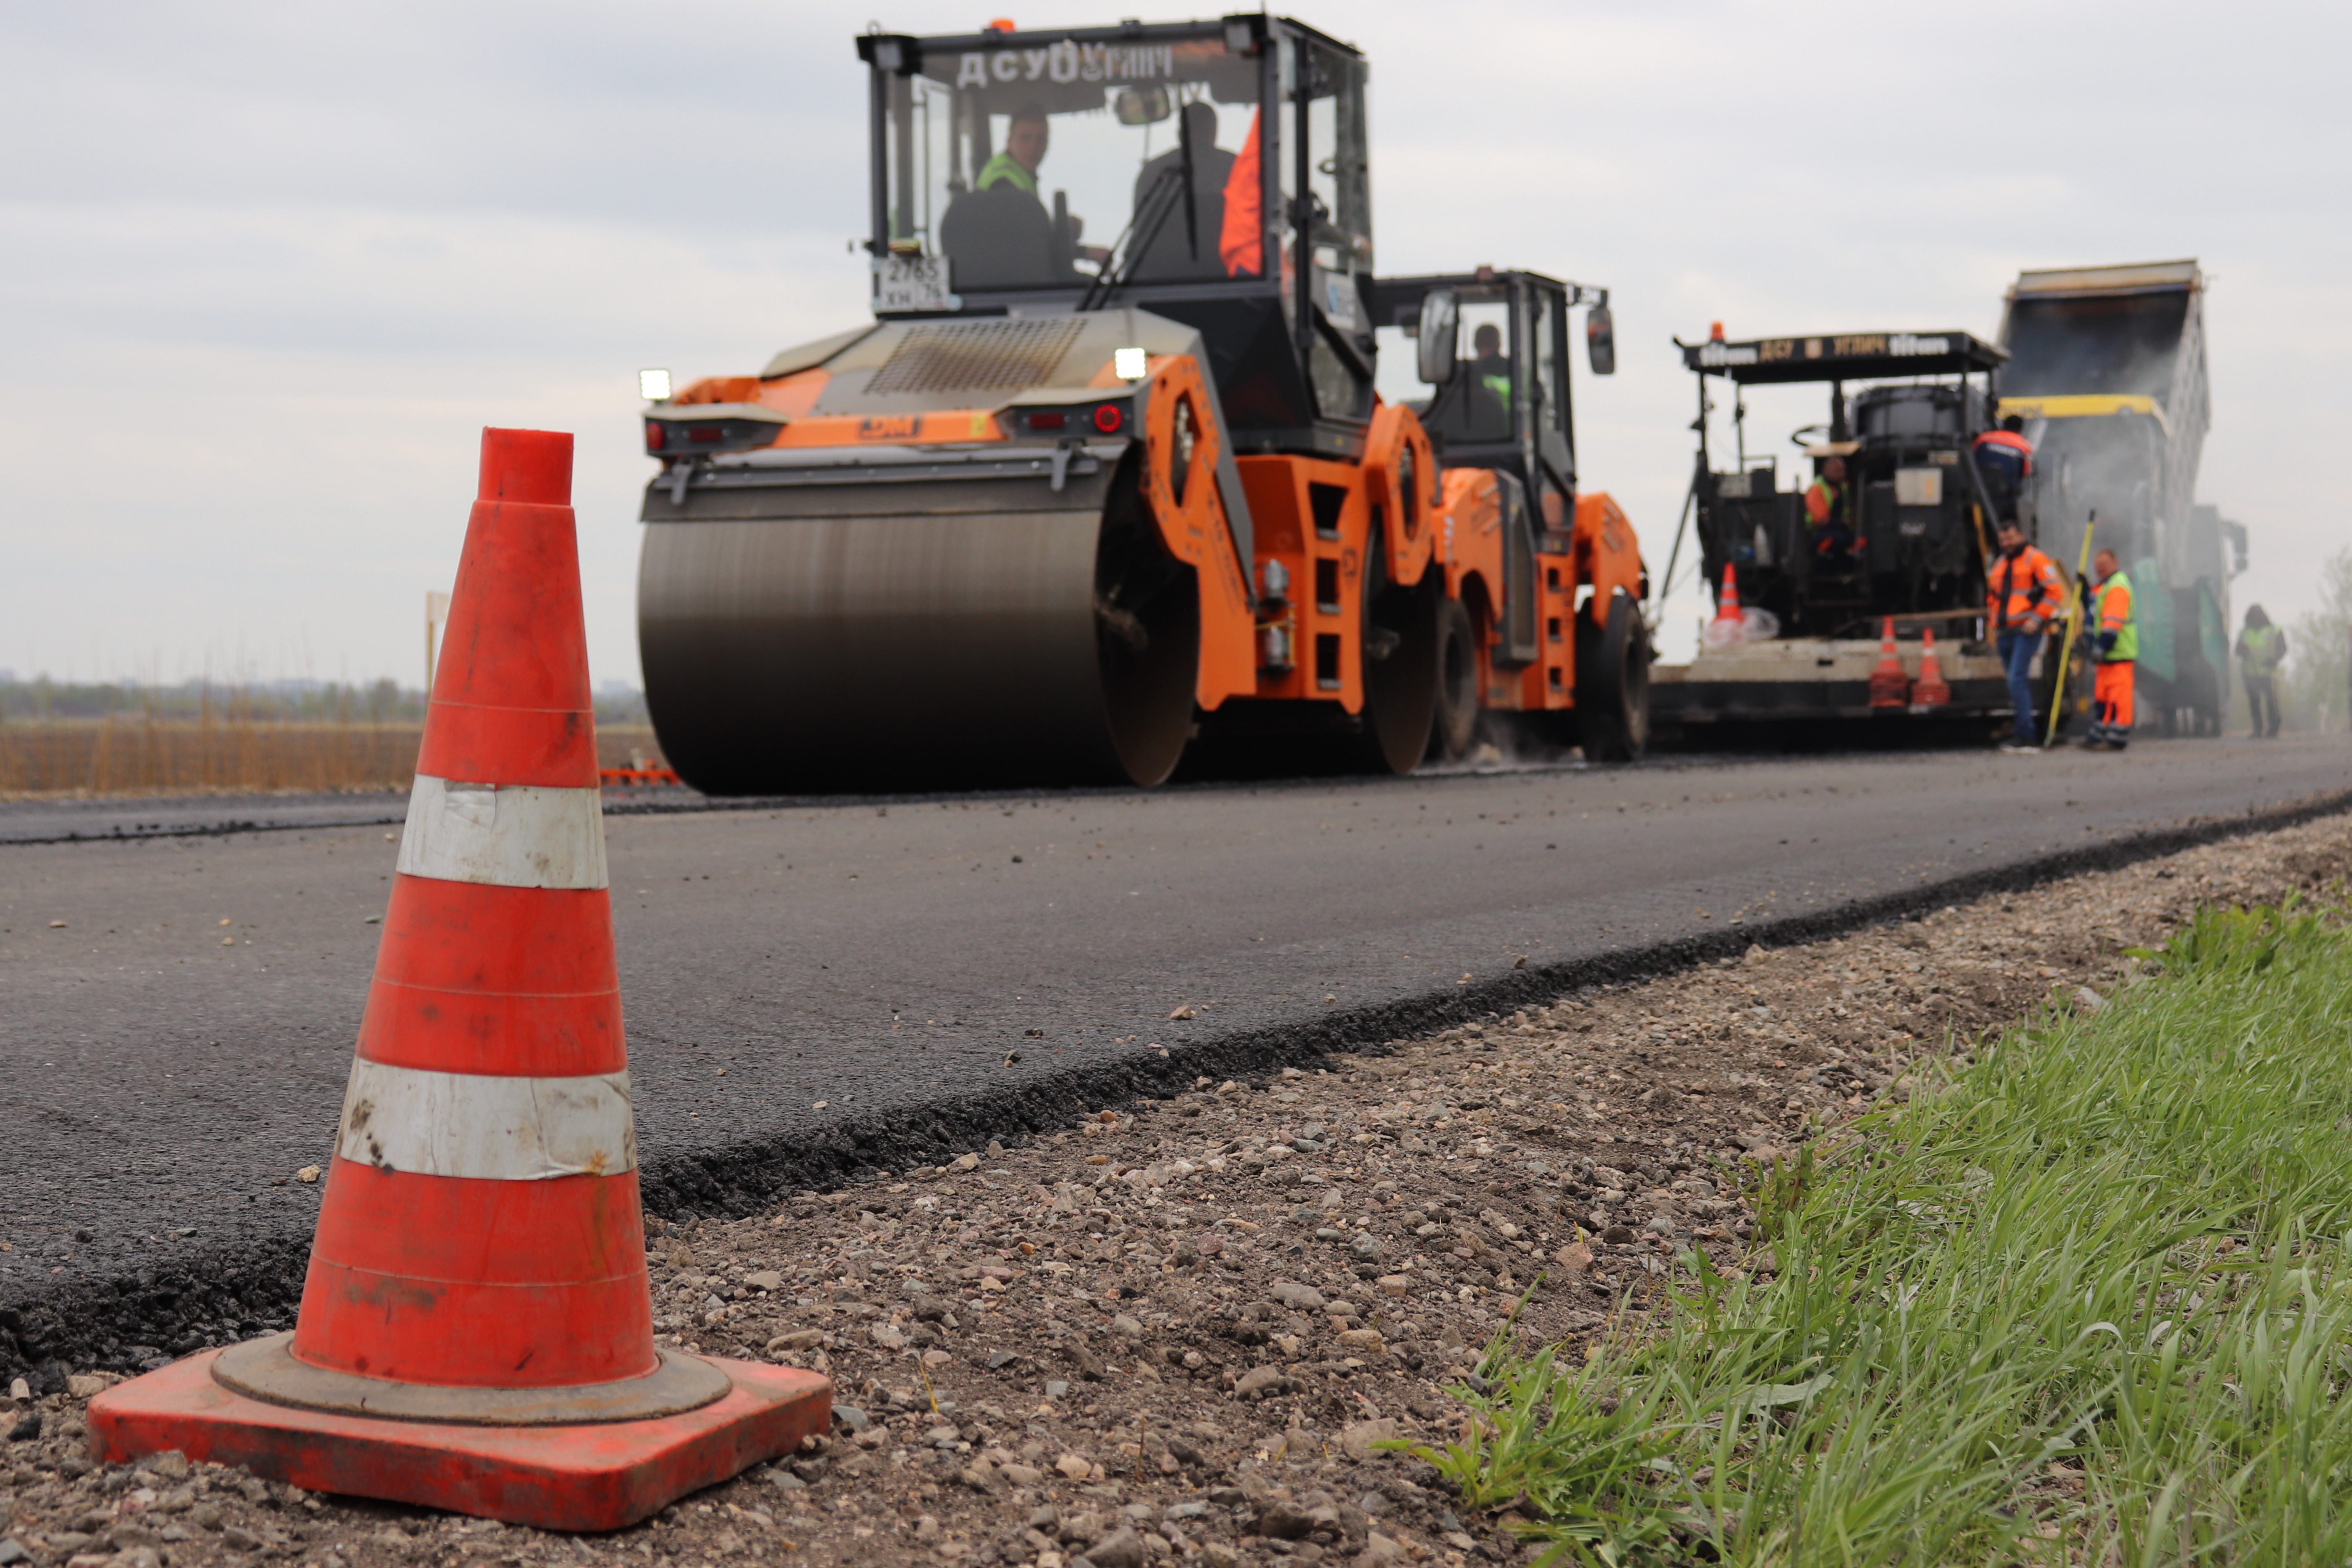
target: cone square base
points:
(588, 1478)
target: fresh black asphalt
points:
(814, 990)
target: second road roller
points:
(1107, 488)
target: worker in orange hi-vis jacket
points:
(1241, 237)
(2114, 639)
(2023, 595)
(2005, 458)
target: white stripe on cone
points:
(487, 1128)
(507, 836)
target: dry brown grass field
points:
(137, 754)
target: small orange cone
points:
(1929, 690)
(1727, 604)
(477, 1326)
(1889, 687)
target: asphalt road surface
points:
(811, 989)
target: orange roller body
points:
(1048, 521)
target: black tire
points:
(1612, 684)
(1455, 724)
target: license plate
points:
(912, 283)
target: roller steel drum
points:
(863, 631)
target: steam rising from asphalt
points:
(1508, 748)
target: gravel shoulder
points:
(1184, 1328)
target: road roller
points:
(1109, 488)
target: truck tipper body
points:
(2106, 368)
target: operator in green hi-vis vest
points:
(1026, 138)
(2262, 648)
(1491, 369)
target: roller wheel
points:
(1612, 684)
(1147, 641)
(1400, 669)
(916, 635)
(1455, 724)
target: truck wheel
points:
(1612, 684)
(1456, 723)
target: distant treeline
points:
(2315, 687)
(384, 702)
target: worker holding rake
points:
(2113, 646)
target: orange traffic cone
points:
(1929, 690)
(1889, 687)
(477, 1329)
(1727, 603)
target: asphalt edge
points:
(660, 800)
(747, 1177)
(130, 1321)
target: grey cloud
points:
(319, 245)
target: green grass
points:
(2086, 1299)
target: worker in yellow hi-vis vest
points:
(2262, 648)
(2114, 647)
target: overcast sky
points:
(265, 270)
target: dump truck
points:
(1806, 635)
(1070, 512)
(2107, 371)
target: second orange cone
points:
(1727, 603)
(1931, 689)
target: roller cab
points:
(1106, 488)
(1546, 631)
